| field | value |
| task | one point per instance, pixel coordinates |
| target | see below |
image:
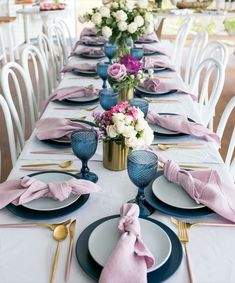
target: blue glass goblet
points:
(108, 98)
(142, 168)
(84, 144)
(110, 51)
(138, 53)
(141, 103)
(102, 71)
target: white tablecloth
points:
(26, 255)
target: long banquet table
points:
(27, 254)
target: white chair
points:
(63, 25)
(19, 99)
(3, 57)
(195, 49)
(179, 43)
(230, 164)
(37, 74)
(58, 42)
(13, 48)
(212, 76)
(9, 130)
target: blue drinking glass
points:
(110, 51)
(142, 168)
(102, 71)
(138, 53)
(141, 103)
(108, 98)
(84, 144)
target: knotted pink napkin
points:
(130, 260)
(88, 51)
(93, 39)
(156, 63)
(88, 32)
(156, 85)
(153, 49)
(148, 37)
(181, 124)
(79, 67)
(205, 187)
(27, 189)
(54, 128)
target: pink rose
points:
(117, 72)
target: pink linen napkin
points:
(88, 32)
(181, 124)
(79, 67)
(54, 128)
(93, 39)
(156, 63)
(151, 49)
(148, 37)
(27, 189)
(88, 51)
(204, 187)
(130, 259)
(156, 85)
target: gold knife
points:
(69, 256)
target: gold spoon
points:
(166, 146)
(60, 233)
(191, 166)
(64, 164)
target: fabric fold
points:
(79, 67)
(179, 123)
(54, 128)
(204, 187)
(156, 63)
(148, 37)
(87, 51)
(27, 189)
(88, 32)
(152, 49)
(131, 258)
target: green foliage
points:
(229, 26)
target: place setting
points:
(147, 39)
(89, 53)
(82, 69)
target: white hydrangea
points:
(81, 19)
(111, 132)
(132, 27)
(115, 5)
(105, 11)
(149, 29)
(143, 4)
(129, 5)
(121, 16)
(106, 31)
(139, 21)
(122, 26)
(96, 18)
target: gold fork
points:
(189, 225)
(183, 236)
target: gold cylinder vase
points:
(125, 94)
(114, 156)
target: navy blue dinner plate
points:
(41, 215)
(171, 210)
(138, 41)
(140, 93)
(93, 269)
(84, 74)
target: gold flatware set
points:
(77, 108)
(168, 146)
(189, 166)
(161, 100)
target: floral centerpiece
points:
(124, 75)
(122, 128)
(122, 20)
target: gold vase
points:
(125, 94)
(114, 156)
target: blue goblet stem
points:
(104, 84)
(84, 168)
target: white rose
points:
(140, 125)
(129, 132)
(148, 136)
(149, 29)
(148, 17)
(81, 19)
(115, 5)
(111, 132)
(132, 27)
(105, 11)
(139, 21)
(118, 117)
(122, 26)
(140, 115)
(143, 4)
(131, 142)
(106, 31)
(96, 18)
(128, 120)
(121, 16)
(120, 127)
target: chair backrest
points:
(211, 78)
(3, 57)
(197, 45)
(179, 43)
(63, 25)
(217, 50)
(10, 130)
(13, 75)
(58, 41)
(36, 72)
(220, 131)
(51, 62)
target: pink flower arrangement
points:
(133, 66)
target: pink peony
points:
(131, 63)
(117, 72)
